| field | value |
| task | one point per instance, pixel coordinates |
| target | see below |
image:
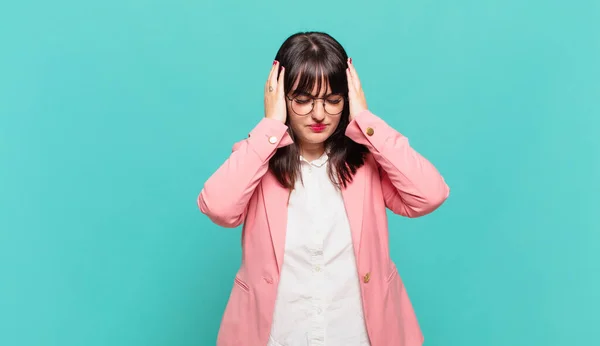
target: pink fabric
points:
(243, 190)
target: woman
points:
(311, 185)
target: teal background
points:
(114, 113)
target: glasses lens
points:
(302, 105)
(334, 104)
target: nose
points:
(318, 111)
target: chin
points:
(316, 138)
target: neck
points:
(312, 151)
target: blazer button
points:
(370, 131)
(272, 139)
(367, 277)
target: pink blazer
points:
(243, 190)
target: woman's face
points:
(313, 117)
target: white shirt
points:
(318, 300)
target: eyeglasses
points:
(303, 104)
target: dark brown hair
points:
(314, 57)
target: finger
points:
(355, 78)
(271, 73)
(280, 81)
(351, 89)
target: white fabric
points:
(318, 300)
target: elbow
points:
(219, 213)
(439, 196)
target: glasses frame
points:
(314, 99)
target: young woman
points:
(311, 185)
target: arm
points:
(225, 196)
(411, 185)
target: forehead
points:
(319, 83)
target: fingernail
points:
(274, 62)
(351, 60)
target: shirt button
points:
(272, 139)
(317, 268)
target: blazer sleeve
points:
(225, 195)
(411, 185)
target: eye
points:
(334, 100)
(302, 100)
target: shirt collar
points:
(317, 162)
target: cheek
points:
(334, 123)
(294, 120)
(296, 123)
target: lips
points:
(318, 127)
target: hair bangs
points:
(318, 75)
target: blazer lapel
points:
(275, 197)
(353, 196)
